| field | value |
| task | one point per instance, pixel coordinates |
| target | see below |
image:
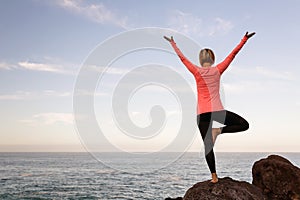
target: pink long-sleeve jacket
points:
(208, 79)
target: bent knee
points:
(245, 125)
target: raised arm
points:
(223, 65)
(190, 66)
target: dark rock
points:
(277, 177)
(274, 178)
(225, 189)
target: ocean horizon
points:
(113, 175)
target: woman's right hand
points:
(169, 39)
(249, 35)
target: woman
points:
(209, 106)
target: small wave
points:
(106, 171)
(4, 179)
(172, 178)
(26, 174)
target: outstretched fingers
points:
(169, 39)
(249, 35)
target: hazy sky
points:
(44, 43)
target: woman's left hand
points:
(169, 39)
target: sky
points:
(44, 45)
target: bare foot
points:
(215, 133)
(214, 178)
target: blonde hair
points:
(206, 56)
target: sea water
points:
(81, 176)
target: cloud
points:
(220, 26)
(39, 66)
(19, 95)
(29, 95)
(6, 66)
(258, 79)
(47, 64)
(282, 75)
(266, 73)
(192, 25)
(96, 12)
(46, 67)
(108, 70)
(53, 93)
(49, 119)
(185, 23)
(89, 93)
(244, 87)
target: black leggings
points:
(233, 122)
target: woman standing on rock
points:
(209, 106)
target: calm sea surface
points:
(122, 176)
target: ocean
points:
(120, 176)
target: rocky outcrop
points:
(226, 188)
(277, 177)
(274, 178)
